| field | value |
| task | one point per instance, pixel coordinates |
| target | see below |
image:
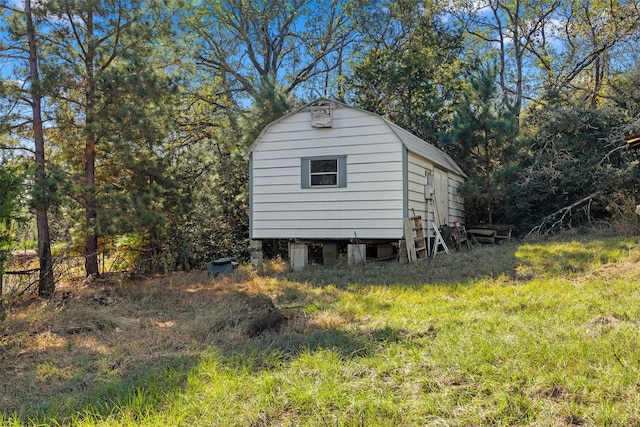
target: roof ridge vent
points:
(321, 114)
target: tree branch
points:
(18, 147)
(564, 212)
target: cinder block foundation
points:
(257, 256)
(298, 256)
(357, 254)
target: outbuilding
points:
(329, 173)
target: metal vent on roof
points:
(321, 115)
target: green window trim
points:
(306, 171)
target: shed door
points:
(441, 196)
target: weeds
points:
(530, 334)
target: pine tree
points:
(482, 139)
(11, 187)
(102, 53)
(46, 285)
(25, 51)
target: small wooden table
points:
(491, 233)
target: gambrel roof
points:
(411, 142)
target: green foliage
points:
(549, 338)
(410, 71)
(11, 193)
(568, 161)
(214, 179)
(114, 112)
(481, 139)
(214, 223)
(169, 113)
(137, 162)
(625, 91)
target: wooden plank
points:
(377, 134)
(355, 164)
(301, 121)
(408, 237)
(352, 178)
(342, 118)
(263, 187)
(339, 224)
(483, 235)
(489, 233)
(482, 232)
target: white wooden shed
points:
(328, 172)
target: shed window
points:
(322, 172)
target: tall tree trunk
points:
(91, 211)
(597, 82)
(2, 258)
(46, 285)
(91, 215)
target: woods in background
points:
(147, 108)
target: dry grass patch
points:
(92, 336)
(327, 320)
(464, 339)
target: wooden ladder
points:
(420, 242)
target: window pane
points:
(326, 179)
(328, 165)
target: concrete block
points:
(298, 256)
(357, 254)
(257, 256)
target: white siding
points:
(370, 204)
(456, 201)
(447, 197)
(441, 196)
(417, 179)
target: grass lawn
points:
(544, 334)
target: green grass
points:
(532, 334)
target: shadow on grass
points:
(515, 260)
(145, 388)
(59, 398)
(274, 347)
(128, 356)
(456, 268)
(88, 383)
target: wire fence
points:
(22, 273)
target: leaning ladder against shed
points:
(417, 247)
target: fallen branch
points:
(22, 272)
(564, 212)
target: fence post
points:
(2, 258)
